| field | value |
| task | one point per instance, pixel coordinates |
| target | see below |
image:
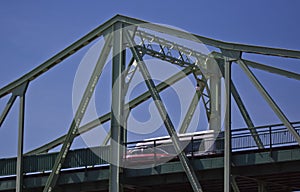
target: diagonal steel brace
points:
(52, 179)
(269, 100)
(163, 112)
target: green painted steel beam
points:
(89, 91)
(246, 116)
(20, 92)
(128, 72)
(165, 117)
(243, 110)
(106, 117)
(264, 67)
(39, 180)
(62, 55)
(216, 43)
(273, 70)
(215, 104)
(246, 164)
(191, 110)
(234, 184)
(44, 162)
(20, 167)
(45, 148)
(269, 100)
(97, 32)
(117, 108)
(7, 108)
(227, 127)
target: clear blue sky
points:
(33, 31)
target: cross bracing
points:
(123, 34)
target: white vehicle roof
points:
(184, 136)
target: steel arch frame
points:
(230, 53)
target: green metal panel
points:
(8, 166)
(40, 163)
(44, 162)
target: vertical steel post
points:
(243, 111)
(20, 91)
(215, 96)
(117, 108)
(270, 138)
(227, 129)
(19, 182)
(166, 118)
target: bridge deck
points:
(277, 166)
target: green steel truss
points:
(123, 34)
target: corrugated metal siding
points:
(8, 166)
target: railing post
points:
(270, 138)
(154, 145)
(192, 147)
(125, 154)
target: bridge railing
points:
(272, 136)
(79, 158)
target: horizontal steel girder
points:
(263, 67)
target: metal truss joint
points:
(20, 90)
(231, 55)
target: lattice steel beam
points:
(177, 54)
(168, 50)
(216, 43)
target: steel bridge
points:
(264, 158)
